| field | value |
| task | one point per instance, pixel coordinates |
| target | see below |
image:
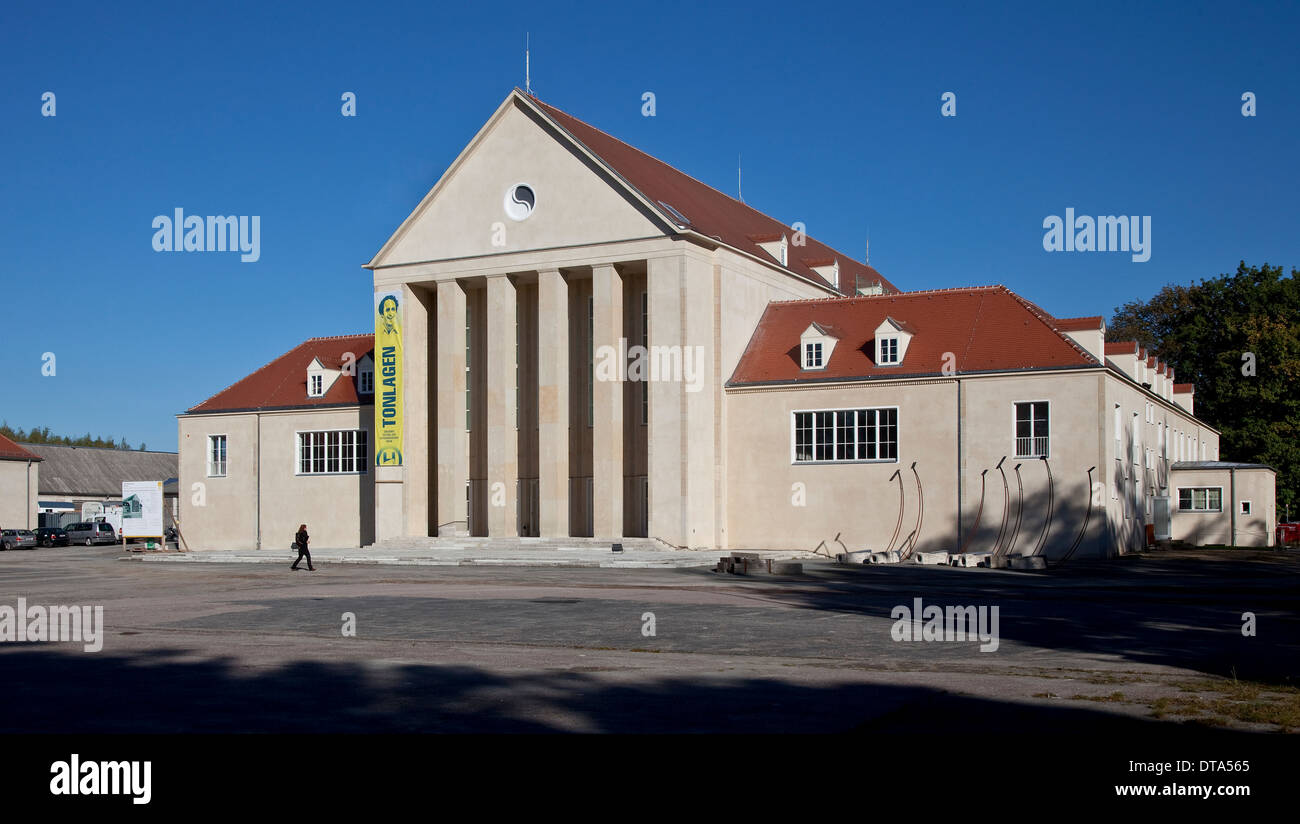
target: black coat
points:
(302, 537)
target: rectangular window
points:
(843, 435)
(1032, 434)
(1119, 424)
(216, 456)
(316, 383)
(333, 452)
(888, 350)
(1245, 507)
(367, 382)
(812, 356)
(1200, 499)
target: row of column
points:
(553, 392)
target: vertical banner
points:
(142, 509)
(388, 379)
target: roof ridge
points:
(1050, 322)
(690, 177)
(890, 294)
(340, 337)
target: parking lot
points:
(1140, 645)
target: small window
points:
(812, 356)
(315, 385)
(216, 456)
(888, 351)
(1200, 499)
(1245, 507)
(1032, 429)
(366, 381)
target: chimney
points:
(1183, 396)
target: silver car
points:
(91, 533)
(17, 539)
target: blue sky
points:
(233, 108)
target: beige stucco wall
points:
(1200, 528)
(224, 512)
(18, 490)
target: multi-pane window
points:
(332, 452)
(316, 383)
(888, 350)
(216, 456)
(366, 381)
(1200, 499)
(846, 435)
(1031, 429)
(812, 356)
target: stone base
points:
(940, 558)
(1028, 562)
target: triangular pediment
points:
(475, 209)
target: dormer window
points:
(785, 252)
(812, 356)
(366, 381)
(891, 342)
(816, 345)
(888, 351)
(315, 386)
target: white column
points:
(553, 403)
(664, 440)
(453, 440)
(607, 428)
(416, 304)
(502, 437)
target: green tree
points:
(1236, 338)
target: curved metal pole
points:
(915, 537)
(1006, 506)
(1051, 495)
(978, 512)
(899, 526)
(1020, 511)
(1087, 516)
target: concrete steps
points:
(490, 545)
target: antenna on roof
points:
(740, 195)
(528, 78)
(866, 249)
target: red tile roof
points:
(10, 451)
(986, 328)
(709, 211)
(1126, 347)
(1079, 324)
(1185, 388)
(282, 383)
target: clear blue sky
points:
(233, 108)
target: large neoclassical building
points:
(576, 339)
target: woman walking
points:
(301, 542)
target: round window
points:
(520, 201)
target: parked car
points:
(17, 539)
(91, 533)
(52, 536)
(1288, 534)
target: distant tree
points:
(40, 435)
(1236, 337)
